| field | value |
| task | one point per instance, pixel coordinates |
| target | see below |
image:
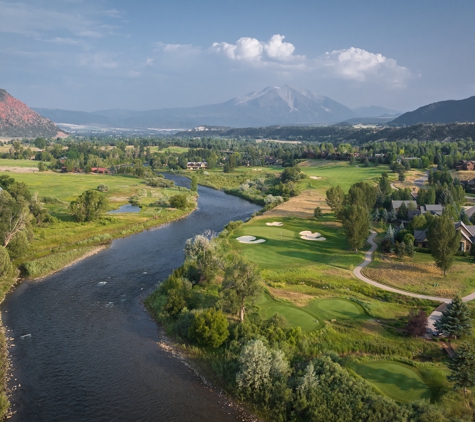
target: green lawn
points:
(284, 249)
(398, 381)
(312, 316)
(68, 186)
(5, 162)
(334, 173)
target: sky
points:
(146, 54)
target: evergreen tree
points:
(462, 367)
(455, 320)
(356, 224)
(443, 242)
(390, 234)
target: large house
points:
(196, 165)
(395, 205)
(465, 165)
(467, 238)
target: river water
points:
(84, 348)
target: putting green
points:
(312, 316)
(296, 317)
(396, 380)
(336, 308)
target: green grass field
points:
(284, 249)
(4, 162)
(398, 381)
(68, 186)
(334, 173)
(312, 316)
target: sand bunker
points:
(275, 223)
(249, 239)
(315, 177)
(308, 235)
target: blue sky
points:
(144, 54)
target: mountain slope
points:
(441, 112)
(18, 120)
(375, 111)
(273, 105)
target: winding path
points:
(434, 316)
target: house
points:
(467, 238)
(395, 205)
(436, 209)
(196, 165)
(465, 165)
(99, 170)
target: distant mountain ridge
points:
(450, 111)
(18, 120)
(273, 105)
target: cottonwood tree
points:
(210, 328)
(462, 367)
(14, 216)
(356, 224)
(335, 199)
(241, 284)
(89, 206)
(201, 254)
(443, 242)
(362, 194)
(455, 320)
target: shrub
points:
(103, 188)
(210, 328)
(178, 201)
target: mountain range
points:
(18, 120)
(450, 111)
(284, 105)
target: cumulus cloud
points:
(252, 50)
(361, 65)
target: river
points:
(84, 348)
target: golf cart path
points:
(433, 317)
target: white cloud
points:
(252, 50)
(177, 49)
(361, 65)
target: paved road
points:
(434, 316)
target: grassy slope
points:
(401, 382)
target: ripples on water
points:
(85, 349)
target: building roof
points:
(435, 209)
(420, 236)
(397, 204)
(470, 211)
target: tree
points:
(317, 213)
(14, 216)
(6, 268)
(210, 328)
(417, 323)
(356, 224)
(200, 252)
(42, 166)
(455, 320)
(179, 201)
(103, 188)
(335, 198)
(89, 206)
(462, 367)
(362, 194)
(443, 242)
(290, 174)
(241, 284)
(194, 183)
(384, 185)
